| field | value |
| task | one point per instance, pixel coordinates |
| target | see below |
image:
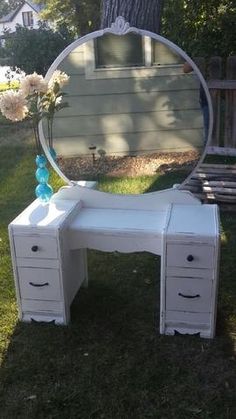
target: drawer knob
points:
(190, 258)
(34, 248)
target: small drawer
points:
(36, 247)
(186, 256)
(187, 294)
(39, 284)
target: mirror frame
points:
(121, 27)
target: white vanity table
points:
(49, 245)
(49, 241)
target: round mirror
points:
(133, 109)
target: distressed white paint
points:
(189, 287)
(65, 228)
(169, 223)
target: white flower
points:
(33, 83)
(58, 100)
(13, 105)
(58, 77)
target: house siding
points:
(156, 111)
(18, 19)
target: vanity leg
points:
(85, 262)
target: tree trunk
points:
(143, 14)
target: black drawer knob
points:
(34, 248)
(190, 258)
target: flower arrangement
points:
(36, 99)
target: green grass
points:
(141, 184)
(111, 362)
(14, 84)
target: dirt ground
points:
(148, 164)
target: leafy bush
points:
(34, 50)
(203, 28)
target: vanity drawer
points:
(36, 247)
(39, 284)
(194, 256)
(188, 294)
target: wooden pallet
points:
(214, 183)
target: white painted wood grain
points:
(38, 276)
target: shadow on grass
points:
(227, 283)
(167, 180)
(111, 362)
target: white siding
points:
(18, 20)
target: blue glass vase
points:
(43, 191)
(53, 153)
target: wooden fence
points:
(216, 183)
(221, 80)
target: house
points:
(127, 95)
(26, 14)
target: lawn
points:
(111, 362)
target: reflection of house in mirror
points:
(128, 95)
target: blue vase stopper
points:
(43, 190)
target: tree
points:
(8, 6)
(142, 14)
(34, 50)
(79, 16)
(203, 28)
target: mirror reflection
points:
(128, 96)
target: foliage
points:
(9, 5)
(203, 28)
(3, 8)
(79, 16)
(35, 100)
(34, 50)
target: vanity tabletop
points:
(47, 215)
(120, 221)
(200, 221)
